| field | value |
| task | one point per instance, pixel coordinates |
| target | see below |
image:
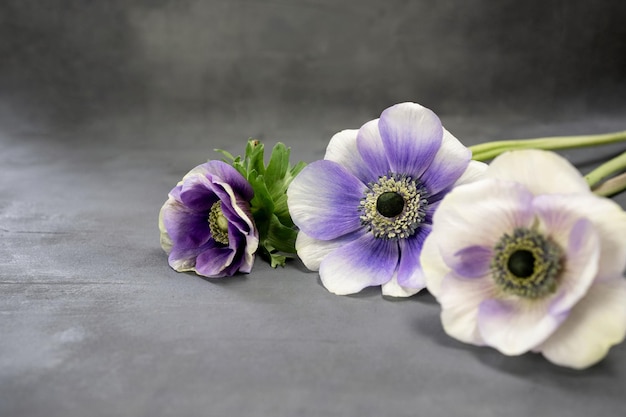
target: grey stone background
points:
(83, 57)
(105, 105)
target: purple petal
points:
(186, 228)
(200, 185)
(324, 200)
(515, 327)
(579, 239)
(237, 242)
(372, 150)
(607, 218)
(238, 215)
(312, 251)
(364, 262)
(449, 164)
(222, 173)
(214, 259)
(472, 261)
(184, 258)
(410, 272)
(579, 236)
(197, 193)
(411, 135)
(581, 266)
(430, 211)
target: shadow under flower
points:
(234, 280)
(423, 297)
(531, 366)
(367, 292)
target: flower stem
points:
(613, 166)
(611, 186)
(489, 150)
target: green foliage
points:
(277, 233)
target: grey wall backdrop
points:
(77, 57)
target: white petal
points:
(393, 289)
(312, 251)
(578, 239)
(478, 214)
(475, 171)
(343, 150)
(542, 172)
(371, 150)
(516, 326)
(433, 265)
(609, 221)
(595, 324)
(166, 240)
(342, 147)
(460, 299)
(252, 244)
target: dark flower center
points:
(390, 204)
(394, 206)
(527, 264)
(521, 263)
(218, 224)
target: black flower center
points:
(394, 206)
(521, 263)
(527, 264)
(390, 204)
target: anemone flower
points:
(364, 211)
(528, 259)
(206, 225)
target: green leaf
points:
(296, 169)
(275, 259)
(277, 234)
(281, 209)
(261, 205)
(277, 167)
(254, 156)
(228, 157)
(281, 237)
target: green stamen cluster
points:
(526, 264)
(393, 207)
(218, 223)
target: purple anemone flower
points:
(206, 225)
(365, 210)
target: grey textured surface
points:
(103, 108)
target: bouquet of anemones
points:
(524, 254)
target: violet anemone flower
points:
(206, 225)
(528, 259)
(364, 211)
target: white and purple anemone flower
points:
(206, 225)
(528, 259)
(365, 210)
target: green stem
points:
(608, 168)
(611, 186)
(489, 150)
